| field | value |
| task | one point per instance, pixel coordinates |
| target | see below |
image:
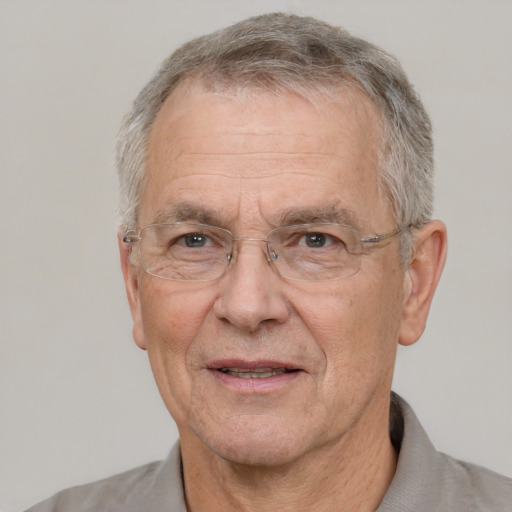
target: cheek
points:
(172, 316)
(171, 311)
(355, 321)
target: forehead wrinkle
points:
(217, 161)
(264, 154)
(241, 175)
(242, 167)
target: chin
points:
(258, 441)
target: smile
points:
(254, 373)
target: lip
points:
(266, 375)
(251, 364)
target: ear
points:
(421, 278)
(131, 281)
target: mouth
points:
(251, 378)
(255, 373)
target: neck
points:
(351, 474)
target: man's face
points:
(250, 163)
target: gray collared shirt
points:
(425, 481)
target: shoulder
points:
(478, 488)
(426, 479)
(153, 488)
(105, 495)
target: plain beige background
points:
(77, 400)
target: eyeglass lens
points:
(202, 253)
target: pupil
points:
(315, 240)
(195, 240)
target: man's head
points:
(267, 348)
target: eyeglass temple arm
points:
(379, 238)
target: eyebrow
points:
(187, 212)
(310, 215)
(184, 212)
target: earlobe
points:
(421, 279)
(131, 281)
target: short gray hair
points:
(288, 53)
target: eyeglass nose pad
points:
(231, 256)
(272, 255)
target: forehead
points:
(252, 143)
(202, 116)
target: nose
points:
(251, 290)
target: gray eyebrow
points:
(185, 212)
(309, 215)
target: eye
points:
(195, 240)
(315, 239)
(318, 240)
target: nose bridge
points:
(249, 239)
(239, 248)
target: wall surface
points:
(77, 398)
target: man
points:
(277, 245)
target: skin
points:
(317, 437)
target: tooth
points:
(253, 373)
